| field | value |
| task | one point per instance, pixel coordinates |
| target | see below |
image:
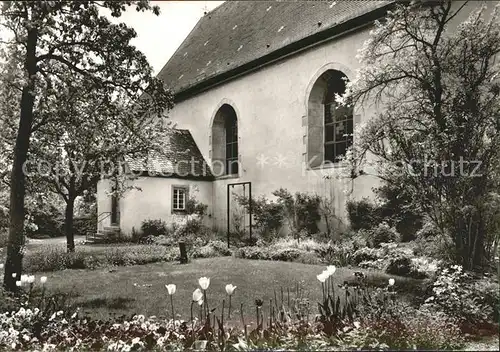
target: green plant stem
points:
(192, 302)
(172, 306)
(205, 302)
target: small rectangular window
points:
(179, 196)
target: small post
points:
(182, 249)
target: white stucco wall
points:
(271, 104)
(153, 201)
(271, 107)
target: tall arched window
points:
(330, 125)
(225, 142)
(338, 119)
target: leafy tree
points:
(94, 131)
(51, 43)
(436, 133)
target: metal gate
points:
(239, 217)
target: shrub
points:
(428, 230)
(300, 211)
(366, 254)
(153, 228)
(84, 226)
(400, 265)
(309, 258)
(382, 233)
(399, 207)
(362, 214)
(268, 215)
(338, 254)
(49, 223)
(406, 328)
(212, 249)
(291, 253)
(252, 253)
(191, 229)
(430, 242)
(46, 259)
(454, 293)
(285, 254)
(488, 293)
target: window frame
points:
(231, 159)
(184, 189)
(329, 101)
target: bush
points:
(405, 328)
(253, 253)
(430, 242)
(193, 228)
(153, 228)
(399, 207)
(366, 254)
(338, 254)
(84, 226)
(268, 216)
(428, 230)
(45, 259)
(362, 214)
(454, 293)
(278, 253)
(300, 211)
(488, 293)
(382, 233)
(400, 265)
(212, 249)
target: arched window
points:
(330, 125)
(338, 119)
(225, 142)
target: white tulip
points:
(204, 282)
(19, 283)
(200, 302)
(331, 269)
(357, 324)
(1, 266)
(230, 289)
(14, 275)
(43, 279)
(391, 282)
(197, 295)
(322, 277)
(171, 289)
(24, 278)
(31, 279)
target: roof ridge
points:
(235, 38)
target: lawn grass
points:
(141, 289)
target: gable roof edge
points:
(291, 49)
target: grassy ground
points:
(141, 289)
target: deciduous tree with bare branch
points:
(49, 41)
(436, 83)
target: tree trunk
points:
(68, 224)
(18, 182)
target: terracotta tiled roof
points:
(180, 158)
(239, 32)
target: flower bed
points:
(364, 318)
